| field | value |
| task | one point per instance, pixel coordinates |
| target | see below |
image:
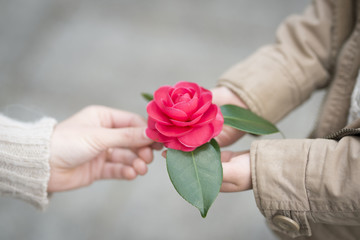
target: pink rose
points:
(183, 117)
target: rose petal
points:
(172, 131)
(176, 114)
(205, 97)
(198, 136)
(204, 90)
(164, 103)
(183, 98)
(193, 92)
(204, 104)
(209, 115)
(218, 123)
(162, 97)
(175, 144)
(151, 123)
(178, 93)
(155, 112)
(188, 107)
(156, 136)
(185, 123)
(189, 85)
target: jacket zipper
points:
(343, 133)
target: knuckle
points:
(95, 145)
(136, 119)
(129, 136)
(93, 108)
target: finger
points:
(132, 137)
(163, 154)
(121, 155)
(228, 136)
(229, 187)
(128, 157)
(110, 117)
(226, 156)
(118, 171)
(238, 172)
(230, 172)
(114, 118)
(140, 166)
(105, 117)
(146, 154)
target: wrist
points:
(223, 95)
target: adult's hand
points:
(98, 143)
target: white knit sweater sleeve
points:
(24, 159)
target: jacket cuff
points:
(278, 179)
(24, 159)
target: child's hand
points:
(236, 171)
(98, 143)
(222, 96)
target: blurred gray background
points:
(58, 56)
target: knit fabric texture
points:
(24, 159)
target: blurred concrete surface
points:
(58, 56)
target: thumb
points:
(131, 137)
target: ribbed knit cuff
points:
(24, 159)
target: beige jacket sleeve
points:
(312, 179)
(24, 159)
(279, 77)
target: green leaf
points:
(247, 121)
(196, 175)
(148, 97)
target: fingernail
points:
(145, 135)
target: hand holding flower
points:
(98, 143)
